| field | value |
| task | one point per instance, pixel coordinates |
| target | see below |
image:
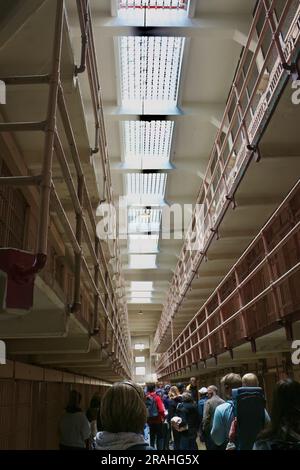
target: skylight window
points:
(138, 300)
(140, 359)
(145, 189)
(147, 144)
(143, 244)
(142, 261)
(150, 72)
(144, 221)
(141, 285)
(138, 297)
(141, 295)
(154, 4)
(140, 371)
(140, 292)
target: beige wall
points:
(149, 371)
(32, 400)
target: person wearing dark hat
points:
(181, 388)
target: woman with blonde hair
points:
(123, 416)
(173, 392)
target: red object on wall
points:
(20, 269)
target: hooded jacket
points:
(118, 441)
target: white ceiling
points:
(208, 65)
(209, 61)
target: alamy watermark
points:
(296, 353)
(2, 92)
(296, 93)
(139, 221)
(2, 352)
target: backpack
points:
(249, 409)
(152, 410)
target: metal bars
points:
(84, 235)
(237, 139)
(243, 307)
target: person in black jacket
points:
(174, 399)
(187, 411)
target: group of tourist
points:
(183, 417)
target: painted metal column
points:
(50, 133)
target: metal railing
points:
(83, 237)
(258, 295)
(89, 64)
(270, 52)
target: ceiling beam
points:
(208, 26)
(69, 358)
(150, 307)
(201, 110)
(124, 168)
(148, 275)
(69, 344)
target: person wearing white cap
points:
(201, 403)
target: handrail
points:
(184, 340)
(86, 26)
(115, 312)
(217, 193)
(77, 205)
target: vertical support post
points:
(50, 132)
(191, 346)
(26, 228)
(84, 35)
(240, 115)
(105, 332)
(106, 297)
(96, 278)
(271, 277)
(106, 310)
(198, 340)
(269, 15)
(78, 256)
(208, 332)
(225, 345)
(241, 304)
